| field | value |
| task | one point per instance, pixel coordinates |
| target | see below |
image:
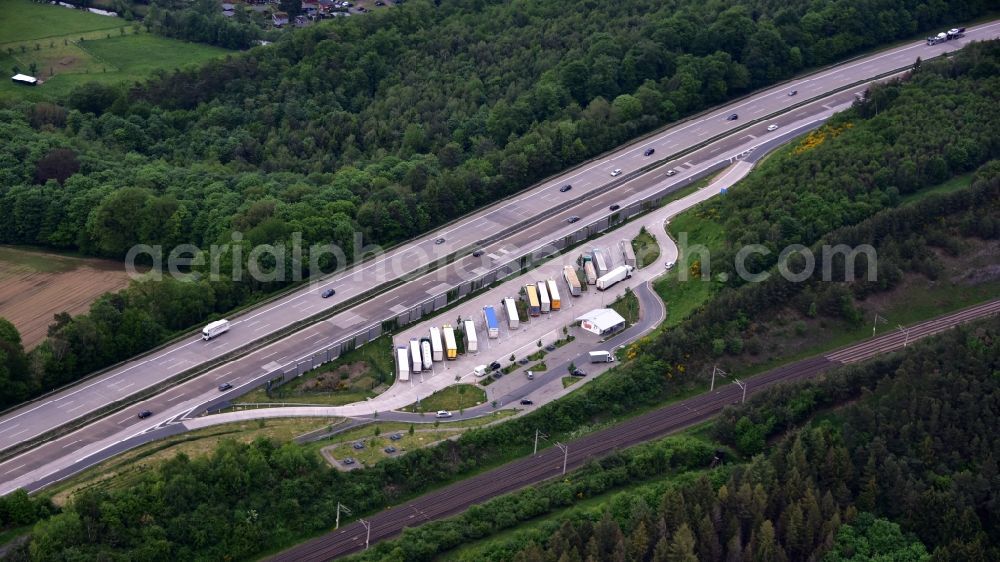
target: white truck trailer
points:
(591, 271)
(601, 357)
(510, 308)
(437, 350)
(620, 273)
(471, 341)
(553, 294)
(214, 329)
(543, 297)
(403, 363)
(415, 360)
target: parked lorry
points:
(601, 357)
(949, 35)
(628, 254)
(510, 308)
(588, 268)
(437, 350)
(492, 325)
(450, 347)
(214, 329)
(471, 341)
(620, 273)
(600, 262)
(531, 295)
(403, 363)
(415, 360)
(425, 354)
(543, 297)
(572, 281)
(553, 294)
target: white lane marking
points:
(15, 468)
(71, 443)
(11, 428)
(77, 407)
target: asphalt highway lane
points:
(39, 417)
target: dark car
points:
(792, 93)
(550, 347)
(359, 445)
(497, 374)
(390, 450)
(144, 414)
(396, 436)
(439, 241)
(380, 3)
(478, 253)
(362, 9)
(649, 151)
(732, 117)
(578, 373)
(565, 188)
(526, 402)
(573, 219)
(329, 293)
(523, 361)
(348, 460)
(495, 366)
(224, 387)
(615, 207)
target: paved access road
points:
(548, 463)
(41, 416)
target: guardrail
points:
(431, 305)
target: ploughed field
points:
(34, 286)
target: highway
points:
(42, 416)
(549, 462)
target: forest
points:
(391, 124)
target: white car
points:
(772, 127)
(616, 172)
(442, 414)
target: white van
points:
(480, 370)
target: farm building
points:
(24, 79)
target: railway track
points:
(548, 463)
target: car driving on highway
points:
(565, 188)
(671, 173)
(442, 414)
(772, 127)
(616, 172)
(649, 152)
(329, 293)
(144, 414)
(732, 117)
(224, 387)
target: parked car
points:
(478, 253)
(144, 414)
(497, 375)
(442, 414)
(670, 265)
(671, 172)
(615, 207)
(495, 366)
(616, 172)
(578, 373)
(522, 361)
(379, 3)
(358, 445)
(792, 93)
(396, 436)
(224, 387)
(348, 460)
(329, 293)
(772, 127)
(439, 241)
(732, 117)
(526, 402)
(565, 188)
(390, 449)
(573, 219)
(550, 347)
(649, 152)
(530, 375)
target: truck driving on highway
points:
(214, 329)
(601, 357)
(492, 325)
(620, 273)
(403, 363)
(954, 33)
